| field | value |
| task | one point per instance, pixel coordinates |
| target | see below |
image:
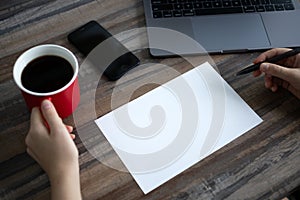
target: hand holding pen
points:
(285, 73)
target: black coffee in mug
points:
(47, 74)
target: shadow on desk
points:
(295, 195)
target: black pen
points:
(274, 59)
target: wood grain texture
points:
(262, 164)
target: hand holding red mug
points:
(43, 73)
(52, 147)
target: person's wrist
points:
(61, 173)
(66, 184)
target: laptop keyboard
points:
(187, 8)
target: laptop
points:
(221, 26)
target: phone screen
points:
(88, 36)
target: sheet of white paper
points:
(174, 126)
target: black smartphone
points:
(88, 36)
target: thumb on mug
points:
(50, 115)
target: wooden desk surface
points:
(262, 164)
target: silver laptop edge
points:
(224, 33)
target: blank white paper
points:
(174, 126)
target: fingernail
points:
(264, 67)
(46, 105)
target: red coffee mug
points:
(66, 98)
